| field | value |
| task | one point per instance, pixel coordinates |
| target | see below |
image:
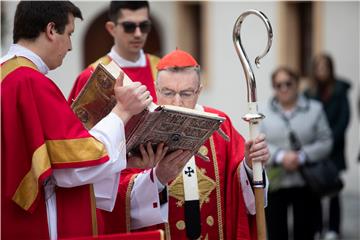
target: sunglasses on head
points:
(286, 84)
(130, 27)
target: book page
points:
(191, 111)
(114, 70)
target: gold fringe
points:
(218, 190)
(27, 191)
(93, 211)
(167, 231)
(14, 63)
(128, 202)
(75, 150)
(154, 60)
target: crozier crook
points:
(253, 117)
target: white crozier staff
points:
(253, 117)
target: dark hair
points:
(116, 6)
(32, 17)
(329, 62)
(288, 71)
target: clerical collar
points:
(141, 62)
(20, 51)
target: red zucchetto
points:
(177, 58)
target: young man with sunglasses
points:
(129, 24)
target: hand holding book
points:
(176, 127)
(147, 157)
(171, 165)
(131, 99)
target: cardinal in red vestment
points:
(226, 198)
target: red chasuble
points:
(39, 132)
(146, 75)
(222, 206)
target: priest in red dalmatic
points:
(200, 199)
(129, 24)
(54, 173)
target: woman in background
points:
(297, 133)
(332, 92)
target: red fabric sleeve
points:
(38, 132)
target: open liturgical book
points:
(177, 127)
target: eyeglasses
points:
(286, 84)
(130, 27)
(184, 95)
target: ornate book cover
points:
(96, 99)
(177, 127)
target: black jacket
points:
(337, 109)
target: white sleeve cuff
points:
(247, 190)
(111, 132)
(145, 203)
(159, 185)
(106, 191)
(248, 170)
(105, 177)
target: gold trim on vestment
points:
(154, 60)
(167, 231)
(203, 150)
(55, 152)
(205, 183)
(128, 202)
(180, 225)
(206, 186)
(210, 221)
(162, 235)
(27, 190)
(75, 150)
(14, 63)
(218, 190)
(93, 211)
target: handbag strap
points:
(293, 138)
